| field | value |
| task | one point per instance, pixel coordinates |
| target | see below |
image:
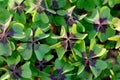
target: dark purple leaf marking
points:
(41, 64)
(10, 32)
(58, 76)
(91, 60)
(79, 11)
(4, 40)
(70, 20)
(15, 72)
(59, 71)
(101, 24)
(92, 54)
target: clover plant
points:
(59, 39)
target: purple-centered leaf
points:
(91, 60)
(5, 47)
(32, 43)
(101, 25)
(15, 72)
(68, 41)
(70, 20)
(41, 64)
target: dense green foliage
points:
(59, 39)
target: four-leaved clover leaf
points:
(90, 58)
(67, 40)
(100, 20)
(31, 44)
(15, 31)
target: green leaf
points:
(86, 4)
(62, 33)
(62, 12)
(105, 12)
(78, 35)
(39, 34)
(60, 52)
(30, 6)
(59, 20)
(81, 36)
(4, 15)
(80, 69)
(55, 46)
(98, 2)
(12, 46)
(48, 57)
(74, 29)
(70, 10)
(94, 16)
(13, 60)
(41, 50)
(51, 11)
(67, 68)
(114, 38)
(117, 45)
(59, 64)
(5, 48)
(11, 4)
(25, 49)
(116, 23)
(79, 48)
(72, 1)
(98, 68)
(36, 17)
(99, 51)
(112, 3)
(80, 27)
(6, 75)
(28, 34)
(44, 18)
(61, 3)
(26, 71)
(92, 43)
(104, 36)
(16, 31)
(20, 18)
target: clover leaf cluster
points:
(59, 39)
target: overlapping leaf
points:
(32, 45)
(15, 31)
(101, 19)
(67, 40)
(90, 59)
